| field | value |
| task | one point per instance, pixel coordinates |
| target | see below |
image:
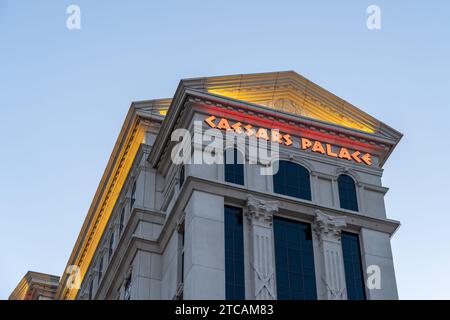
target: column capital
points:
(259, 210)
(329, 227)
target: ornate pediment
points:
(289, 92)
(285, 96)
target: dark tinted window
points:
(292, 180)
(181, 176)
(133, 196)
(127, 291)
(234, 254)
(353, 267)
(91, 286)
(294, 260)
(100, 270)
(122, 217)
(111, 244)
(234, 169)
(347, 193)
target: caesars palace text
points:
(286, 139)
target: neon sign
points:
(286, 139)
(249, 130)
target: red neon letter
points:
(306, 143)
(210, 121)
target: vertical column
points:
(262, 258)
(146, 273)
(379, 265)
(334, 186)
(360, 196)
(204, 247)
(314, 186)
(328, 229)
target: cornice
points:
(290, 207)
(287, 207)
(252, 110)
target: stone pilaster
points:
(328, 229)
(262, 258)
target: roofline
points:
(240, 74)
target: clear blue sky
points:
(64, 95)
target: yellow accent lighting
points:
(107, 203)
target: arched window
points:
(347, 192)
(234, 166)
(292, 180)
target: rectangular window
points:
(181, 176)
(234, 167)
(353, 266)
(294, 260)
(100, 270)
(133, 196)
(234, 254)
(91, 286)
(111, 244)
(121, 220)
(127, 289)
(180, 260)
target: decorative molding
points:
(264, 286)
(348, 171)
(329, 227)
(261, 211)
(262, 258)
(326, 128)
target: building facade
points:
(316, 229)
